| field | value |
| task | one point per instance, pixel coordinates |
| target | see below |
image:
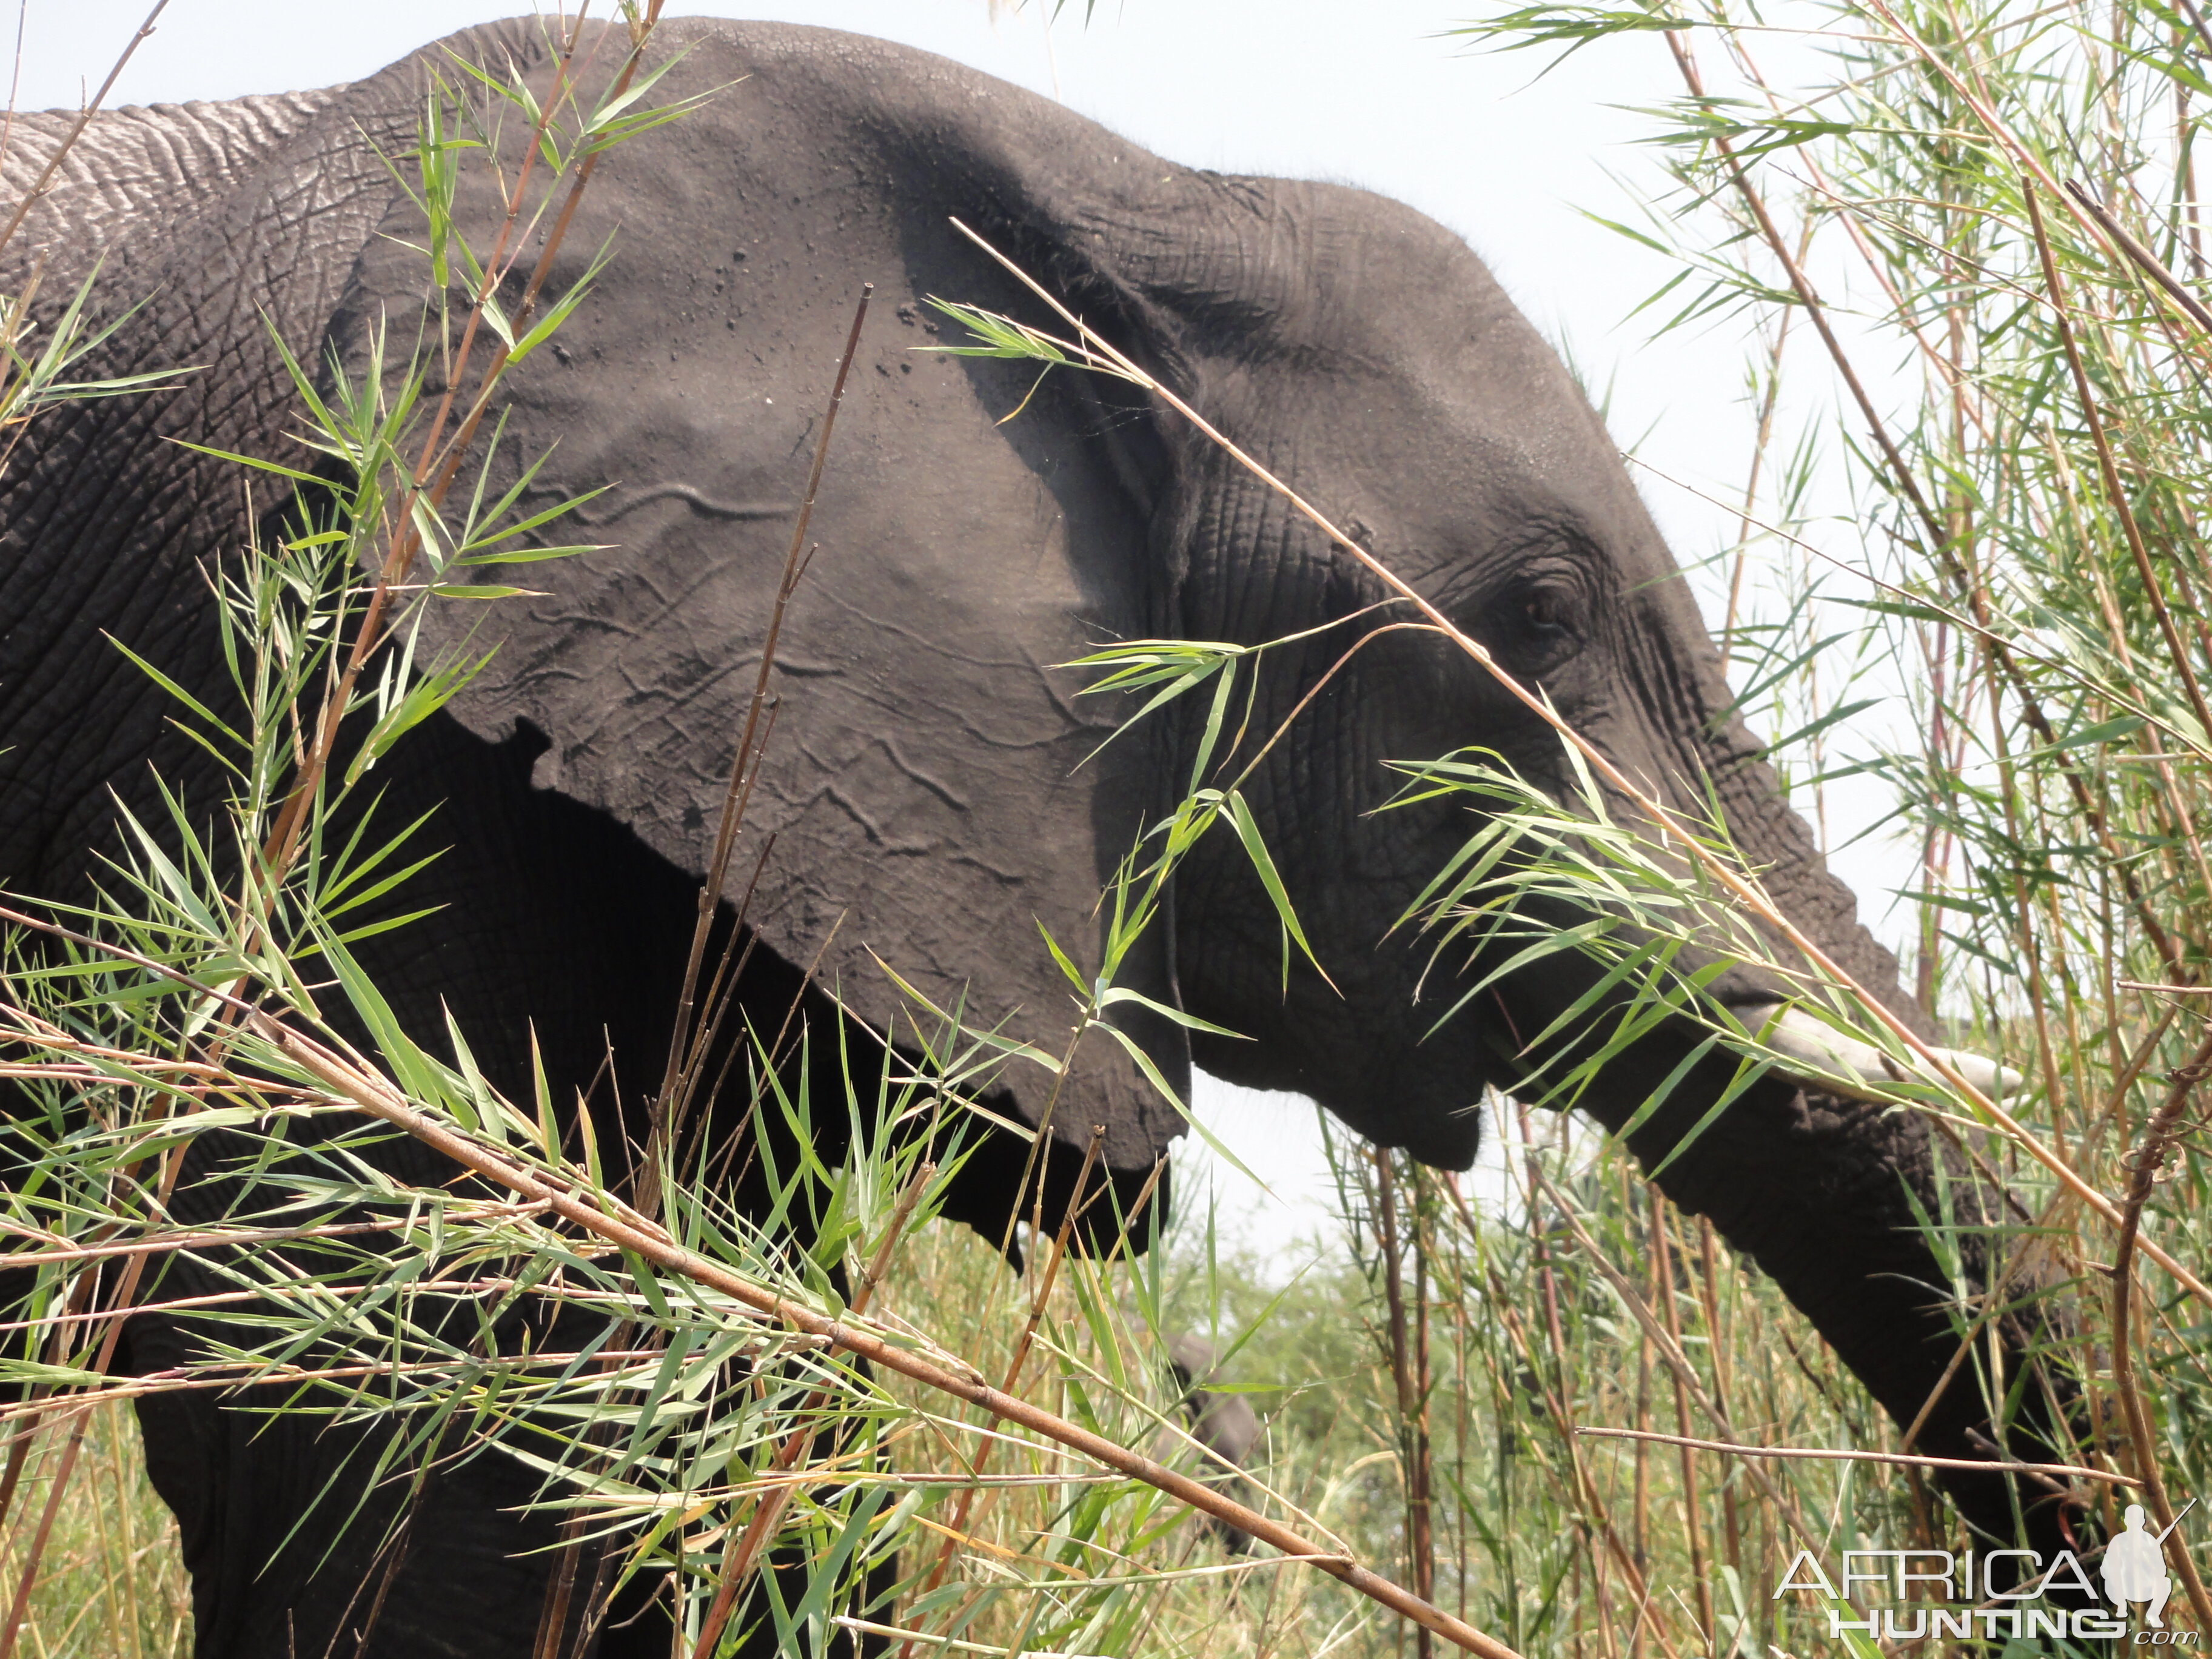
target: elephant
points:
(936, 784)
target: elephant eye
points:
(1545, 608)
(1542, 620)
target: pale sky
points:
(1365, 92)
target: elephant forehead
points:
(1485, 442)
(1384, 321)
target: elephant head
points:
(931, 783)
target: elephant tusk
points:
(1839, 1064)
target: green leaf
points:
(1122, 993)
(173, 689)
(1813, 728)
(1263, 865)
(1136, 1052)
(562, 308)
(2103, 732)
(1075, 976)
(257, 465)
(528, 554)
(1565, 26)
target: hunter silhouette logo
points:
(2135, 1567)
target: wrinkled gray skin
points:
(923, 780)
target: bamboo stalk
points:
(1412, 1439)
(1901, 1459)
(2158, 1139)
(673, 1098)
(1693, 1526)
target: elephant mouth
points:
(1824, 1060)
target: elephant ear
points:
(930, 800)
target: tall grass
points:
(2018, 369)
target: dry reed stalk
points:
(1668, 1351)
(2159, 1136)
(1640, 1459)
(1409, 1390)
(1583, 1493)
(1901, 1459)
(744, 769)
(220, 1238)
(1716, 1352)
(1694, 1527)
(690, 1049)
(1424, 1560)
(1765, 435)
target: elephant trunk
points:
(1874, 1228)
(1878, 1230)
